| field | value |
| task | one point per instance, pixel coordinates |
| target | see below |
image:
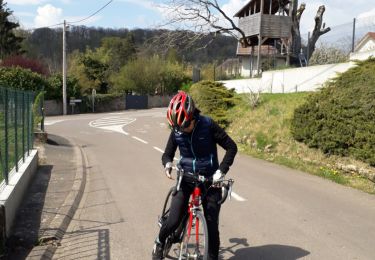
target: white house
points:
(271, 58)
(365, 47)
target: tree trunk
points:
(318, 31)
(295, 47)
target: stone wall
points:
(54, 108)
(116, 104)
(158, 101)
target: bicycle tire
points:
(164, 217)
(165, 212)
(189, 248)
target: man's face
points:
(190, 128)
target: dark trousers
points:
(179, 206)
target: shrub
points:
(26, 63)
(54, 87)
(100, 99)
(37, 106)
(23, 79)
(213, 99)
(340, 119)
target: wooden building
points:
(265, 22)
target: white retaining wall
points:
(362, 55)
(11, 195)
(289, 80)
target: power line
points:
(58, 24)
(92, 14)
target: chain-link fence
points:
(16, 129)
(345, 37)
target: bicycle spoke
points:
(195, 242)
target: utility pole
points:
(64, 70)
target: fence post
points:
(32, 121)
(23, 126)
(28, 122)
(2, 227)
(6, 167)
(353, 36)
(15, 129)
(42, 112)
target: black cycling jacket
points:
(219, 136)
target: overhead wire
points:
(84, 19)
(79, 21)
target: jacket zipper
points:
(191, 146)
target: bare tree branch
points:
(202, 17)
(318, 31)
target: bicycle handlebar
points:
(226, 185)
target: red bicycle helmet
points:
(180, 110)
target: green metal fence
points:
(16, 129)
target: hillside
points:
(265, 133)
(44, 43)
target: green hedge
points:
(214, 100)
(100, 99)
(340, 119)
(22, 79)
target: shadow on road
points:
(87, 244)
(266, 252)
(28, 220)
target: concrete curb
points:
(58, 226)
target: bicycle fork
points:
(194, 206)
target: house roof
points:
(368, 36)
(275, 6)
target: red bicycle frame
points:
(194, 204)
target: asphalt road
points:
(276, 213)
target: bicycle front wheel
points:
(195, 240)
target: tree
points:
(318, 30)
(54, 88)
(26, 63)
(9, 42)
(326, 54)
(97, 72)
(116, 51)
(207, 17)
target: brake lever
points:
(179, 181)
(230, 188)
(230, 191)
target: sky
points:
(148, 14)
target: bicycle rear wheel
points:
(163, 218)
(195, 240)
(167, 204)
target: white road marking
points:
(52, 122)
(114, 128)
(139, 139)
(114, 123)
(237, 197)
(158, 149)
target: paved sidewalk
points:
(50, 202)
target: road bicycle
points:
(192, 233)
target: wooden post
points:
(260, 36)
(270, 6)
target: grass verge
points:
(264, 132)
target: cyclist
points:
(196, 137)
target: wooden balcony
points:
(273, 26)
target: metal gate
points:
(136, 102)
